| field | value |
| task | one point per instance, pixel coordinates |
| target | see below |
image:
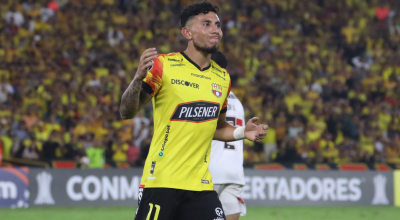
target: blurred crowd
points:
(322, 74)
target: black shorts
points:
(176, 204)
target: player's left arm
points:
(252, 131)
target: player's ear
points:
(186, 33)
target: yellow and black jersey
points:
(187, 101)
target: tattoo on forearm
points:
(130, 102)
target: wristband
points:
(238, 133)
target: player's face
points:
(206, 32)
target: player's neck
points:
(201, 59)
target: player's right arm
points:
(135, 97)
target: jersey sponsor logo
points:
(181, 64)
(231, 96)
(171, 59)
(218, 75)
(219, 211)
(234, 121)
(184, 83)
(216, 90)
(161, 153)
(229, 146)
(218, 72)
(197, 111)
(153, 166)
(205, 181)
(217, 69)
(201, 76)
(166, 137)
(231, 120)
(140, 194)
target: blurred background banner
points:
(70, 187)
(397, 188)
(119, 187)
(14, 191)
(318, 188)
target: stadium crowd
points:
(322, 74)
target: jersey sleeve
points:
(153, 81)
(225, 105)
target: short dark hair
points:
(220, 59)
(197, 8)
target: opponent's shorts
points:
(176, 204)
(229, 194)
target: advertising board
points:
(119, 187)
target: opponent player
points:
(189, 94)
(226, 162)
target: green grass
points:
(253, 213)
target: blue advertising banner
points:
(14, 188)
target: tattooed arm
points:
(134, 97)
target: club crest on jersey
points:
(216, 90)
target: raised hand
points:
(146, 61)
(254, 131)
(133, 99)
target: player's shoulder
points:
(215, 66)
(173, 56)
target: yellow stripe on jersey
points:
(187, 101)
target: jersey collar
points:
(194, 64)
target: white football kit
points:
(226, 163)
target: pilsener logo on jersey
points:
(197, 111)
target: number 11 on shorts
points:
(151, 209)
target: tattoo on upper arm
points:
(130, 102)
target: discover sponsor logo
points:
(184, 83)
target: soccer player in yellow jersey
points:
(189, 93)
